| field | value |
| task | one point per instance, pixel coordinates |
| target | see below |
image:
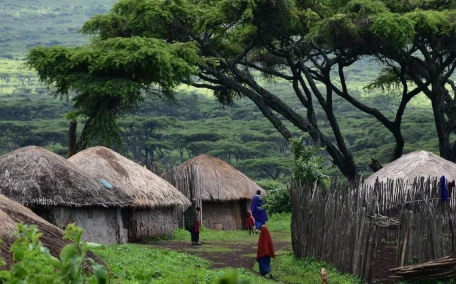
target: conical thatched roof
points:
(12, 213)
(145, 188)
(33, 175)
(415, 164)
(213, 179)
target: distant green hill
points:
(29, 23)
(166, 133)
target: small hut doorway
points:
(244, 208)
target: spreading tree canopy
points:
(227, 44)
(108, 77)
(416, 43)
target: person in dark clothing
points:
(191, 222)
(259, 214)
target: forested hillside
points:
(162, 133)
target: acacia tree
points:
(416, 43)
(108, 77)
(233, 41)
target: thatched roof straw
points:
(146, 189)
(415, 164)
(12, 213)
(36, 176)
(212, 180)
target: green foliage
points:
(29, 117)
(278, 201)
(34, 263)
(308, 163)
(397, 29)
(388, 81)
(429, 23)
(110, 77)
(364, 8)
(270, 185)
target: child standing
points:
(249, 223)
(265, 252)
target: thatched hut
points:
(12, 213)
(222, 192)
(59, 192)
(155, 201)
(415, 164)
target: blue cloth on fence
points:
(443, 188)
(265, 265)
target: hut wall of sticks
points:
(153, 222)
(227, 214)
(345, 225)
(222, 192)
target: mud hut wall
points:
(100, 225)
(228, 214)
(150, 223)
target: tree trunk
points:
(72, 138)
(400, 142)
(443, 133)
(146, 156)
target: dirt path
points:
(222, 255)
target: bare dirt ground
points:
(385, 260)
(221, 254)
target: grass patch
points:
(168, 266)
(288, 269)
(211, 249)
(130, 261)
(278, 224)
(127, 262)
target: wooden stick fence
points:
(343, 225)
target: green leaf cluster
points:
(278, 201)
(394, 24)
(34, 263)
(308, 163)
(109, 77)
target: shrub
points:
(270, 185)
(308, 163)
(278, 201)
(34, 263)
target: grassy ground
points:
(168, 266)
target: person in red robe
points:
(249, 223)
(265, 252)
